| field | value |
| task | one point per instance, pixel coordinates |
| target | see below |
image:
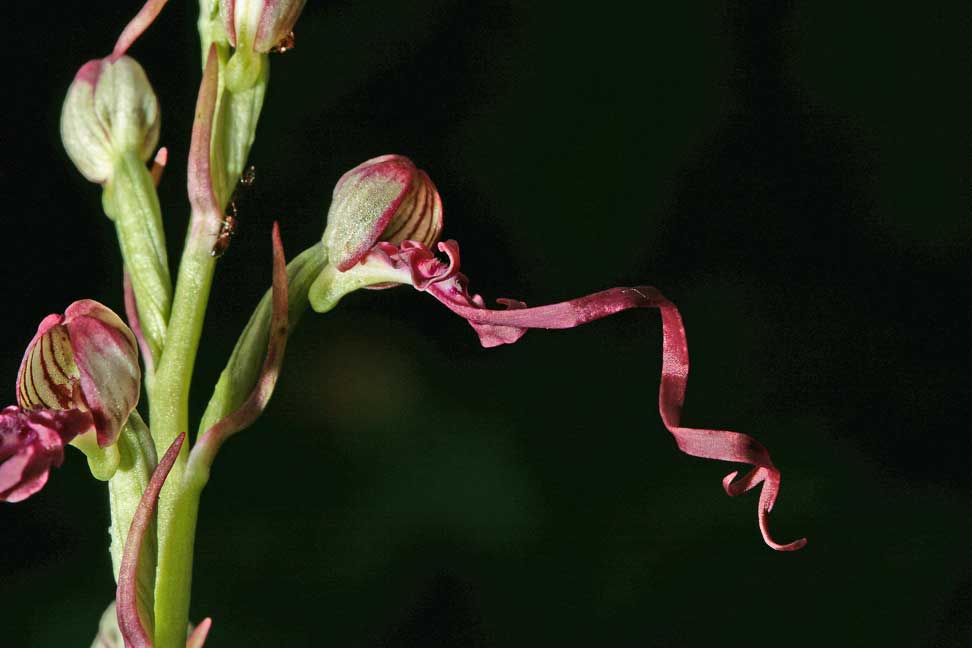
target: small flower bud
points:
(254, 27)
(258, 25)
(87, 360)
(110, 110)
(386, 198)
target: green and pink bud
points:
(110, 111)
(254, 28)
(387, 199)
(85, 360)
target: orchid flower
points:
(85, 360)
(360, 260)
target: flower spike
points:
(414, 264)
(129, 621)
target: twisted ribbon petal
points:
(415, 264)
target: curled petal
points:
(444, 282)
(208, 444)
(129, 621)
(31, 443)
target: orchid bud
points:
(384, 199)
(110, 110)
(254, 27)
(86, 360)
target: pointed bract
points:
(203, 453)
(129, 621)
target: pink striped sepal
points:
(85, 360)
(386, 198)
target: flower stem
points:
(178, 505)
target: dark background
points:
(794, 175)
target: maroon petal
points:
(31, 443)
(494, 327)
(145, 17)
(208, 444)
(129, 621)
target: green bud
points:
(110, 110)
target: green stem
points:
(233, 128)
(178, 506)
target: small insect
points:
(225, 236)
(285, 45)
(228, 227)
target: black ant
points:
(228, 227)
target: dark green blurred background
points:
(794, 175)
